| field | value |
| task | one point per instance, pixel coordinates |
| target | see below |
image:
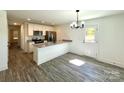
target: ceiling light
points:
(15, 23)
(29, 19)
(77, 24)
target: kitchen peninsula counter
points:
(44, 52)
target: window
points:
(90, 35)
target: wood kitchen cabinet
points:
(48, 28)
(41, 28)
(27, 33)
(30, 29)
(37, 27)
(45, 28)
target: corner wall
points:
(110, 37)
(3, 41)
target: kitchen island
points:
(47, 51)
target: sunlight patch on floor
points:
(77, 62)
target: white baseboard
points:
(105, 60)
(3, 68)
(109, 61)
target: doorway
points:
(14, 36)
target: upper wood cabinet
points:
(37, 27)
(30, 29)
(51, 28)
(48, 28)
(40, 27)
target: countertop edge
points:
(48, 44)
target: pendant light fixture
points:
(77, 24)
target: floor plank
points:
(21, 68)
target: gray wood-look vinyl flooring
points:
(21, 68)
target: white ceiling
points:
(56, 17)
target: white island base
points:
(45, 52)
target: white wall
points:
(77, 36)
(3, 41)
(110, 46)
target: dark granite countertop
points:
(42, 45)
